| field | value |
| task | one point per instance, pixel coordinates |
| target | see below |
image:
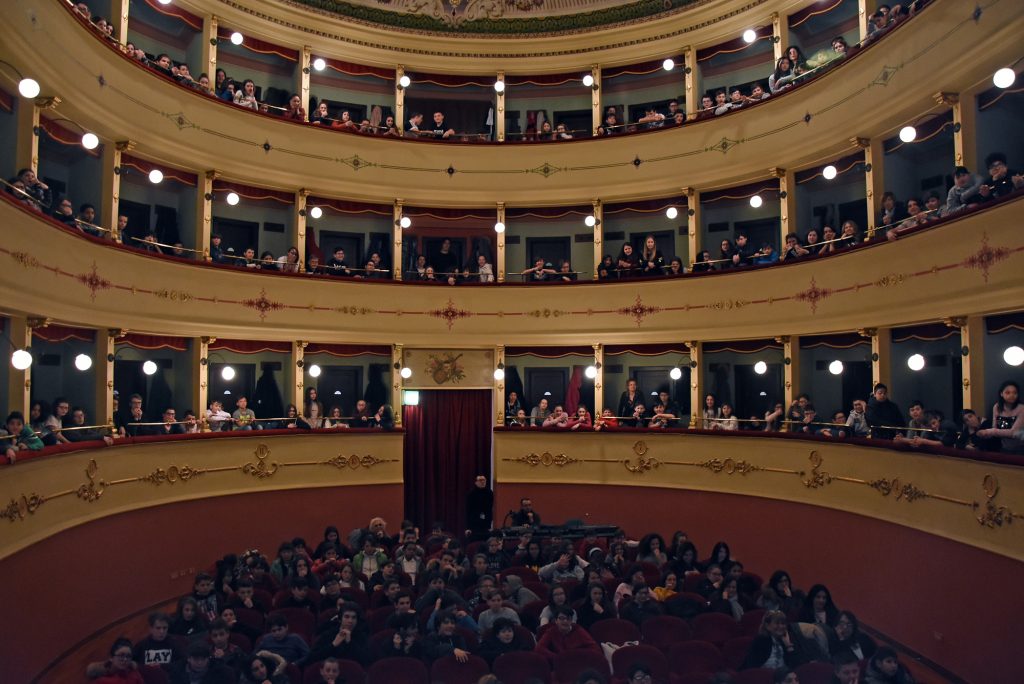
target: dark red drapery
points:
(447, 443)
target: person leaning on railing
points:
(18, 437)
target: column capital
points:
(784, 339)
(34, 322)
(862, 143)
(207, 340)
(48, 102)
(212, 174)
(955, 321)
(777, 172)
(867, 332)
(124, 145)
(948, 99)
(115, 333)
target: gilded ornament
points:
(818, 478)
(172, 474)
(547, 459)
(904, 490)
(22, 507)
(355, 462)
(640, 448)
(92, 490)
(643, 464)
(260, 469)
(25, 259)
(729, 466)
(993, 515)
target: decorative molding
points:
(260, 469)
(355, 462)
(172, 474)
(22, 507)
(546, 459)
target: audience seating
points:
(815, 673)
(569, 665)
(521, 571)
(398, 671)
(628, 656)
(153, 675)
(750, 623)
(615, 631)
(293, 673)
(662, 631)
(521, 666)
(686, 605)
(691, 678)
(300, 621)
(451, 671)
(694, 656)
(351, 673)
(734, 652)
(758, 675)
(716, 628)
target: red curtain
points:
(447, 444)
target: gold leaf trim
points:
(355, 462)
(22, 507)
(643, 464)
(172, 474)
(818, 478)
(547, 459)
(260, 469)
(92, 490)
(729, 466)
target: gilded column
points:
(874, 177)
(396, 244)
(302, 85)
(499, 387)
(112, 185)
(693, 82)
(396, 382)
(209, 63)
(972, 369)
(499, 250)
(780, 34)
(693, 237)
(595, 98)
(103, 355)
(865, 8)
(696, 383)
(204, 213)
(399, 99)
(301, 220)
(881, 354)
(598, 380)
(27, 142)
(499, 111)
(19, 382)
(200, 351)
(965, 143)
(598, 235)
(298, 376)
(787, 203)
(790, 367)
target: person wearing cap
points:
(199, 668)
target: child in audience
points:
(119, 668)
(157, 649)
(281, 642)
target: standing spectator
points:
(883, 415)
(1008, 419)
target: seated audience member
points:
(170, 424)
(884, 667)
(496, 612)
(566, 566)
(65, 213)
(757, 94)
(217, 418)
(350, 641)
(157, 649)
(38, 191)
(582, 419)
(968, 438)
(807, 425)
(846, 668)
(445, 640)
(23, 437)
(119, 668)
(440, 129)
(1001, 180)
(289, 263)
(846, 636)
(766, 255)
(320, 115)
(642, 607)
(243, 417)
(777, 645)
(857, 420)
(793, 249)
(882, 414)
(295, 111)
(606, 269)
(782, 77)
(217, 252)
(77, 421)
(246, 97)
(329, 672)
(483, 271)
(892, 211)
(727, 421)
(819, 608)
(916, 217)
(281, 642)
(565, 273)
(503, 639)
(199, 667)
(849, 237)
(540, 271)
(703, 263)
(558, 418)
(965, 192)
(565, 636)
(265, 666)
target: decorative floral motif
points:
(993, 515)
(92, 490)
(260, 469)
(905, 491)
(545, 169)
(546, 313)
(547, 459)
(445, 368)
(729, 466)
(724, 145)
(818, 478)
(172, 474)
(449, 313)
(813, 295)
(25, 259)
(986, 257)
(22, 507)
(262, 304)
(173, 295)
(355, 462)
(638, 310)
(93, 281)
(643, 464)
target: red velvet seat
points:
(153, 675)
(250, 617)
(519, 667)
(356, 596)
(568, 665)
(398, 671)
(691, 581)
(716, 628)
(243, 642)
(378, 619)
(615, 631)
(814, 673)
(293, 673)
(539, 588)
(282, 596)
(531, 612)
(380, 640)
(451, 671)
(351, 672)
(652, 573)
(686, 605)
(691, 678)
(694, 656)
(759, 675)
(750, 623)
(654, 660)
(735, 650)
(662, 631)
(471, 637)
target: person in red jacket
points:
(566, 636)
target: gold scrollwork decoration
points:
(354, 462)
(25, 259)
(172, 474)
(729, 466)
(547, 459)
(640, 448)
(643, 464)
(22, 507)
(173, 295)
(993, 515)
(93, 489)
(905, 491)
(817, 478)
(260, 469)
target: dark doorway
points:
(464, 116)
(553, 250)
(760, 231)
(754, 392)
(455, 259)
(166, 225)
(651, 379)
(128, 380)
(138, 220)
(856, 211)
(540, 381)
(340, 386)
(237, 234)
(579, 122)
(352, 243)
(228, 391)
(856, 382)
(664, 240)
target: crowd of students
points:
(347, 603)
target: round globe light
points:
(228, 373)
(1014, 355)
(756, 201)
(590, 221)
(149, 368)
(21, 359)
(588, 80)
(1004, 78)
(319, 64)
(675, 373)
(760, 367)
(499, 374)
(236, 38)
(499, 86)
(590, 372)
(90, 141)
(314, 371)
(915, 362)
(233, 198)
(83, 362)
(406, 372)
(405, 222)
(156, 175)
(316, 212)
(28, 87)
(405, 81)
(165, 2)
(835, 368)
(671, 212)
(908, 134)
(668, 64)
(499, 227)
(829, 172)
(749, 36)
